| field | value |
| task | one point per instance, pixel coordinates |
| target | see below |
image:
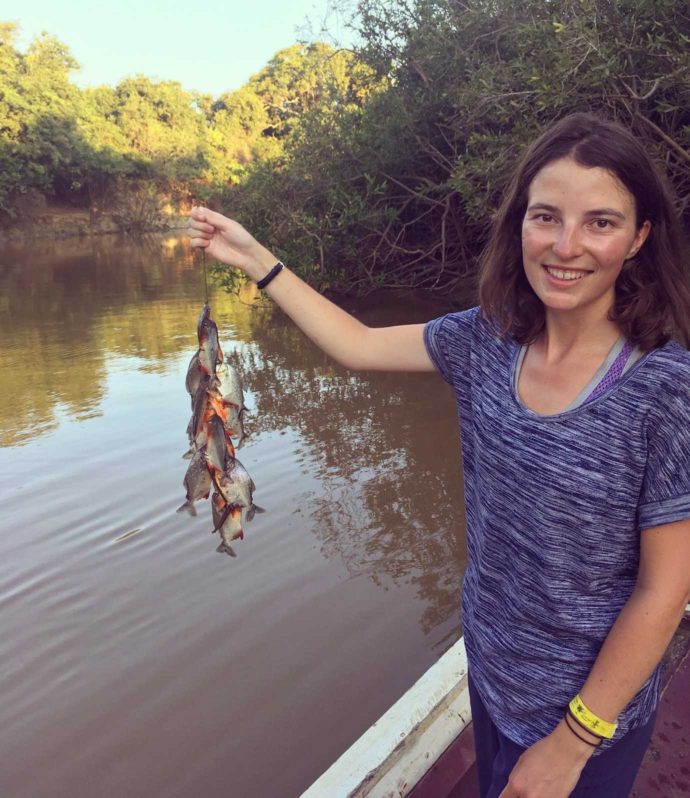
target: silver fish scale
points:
(216, 446)
(229, 384)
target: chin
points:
(560, 302)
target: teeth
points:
(564, 275)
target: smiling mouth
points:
(566, 274)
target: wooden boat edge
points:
(391, 757)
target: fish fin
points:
(253, 510)
(188, 454)
(223, 548)
(189, 507)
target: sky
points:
(207, 46)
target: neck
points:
(575, 333)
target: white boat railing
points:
(390, 758)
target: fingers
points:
(199, 243)
(211, 217)
(200, 227)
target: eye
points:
(603, 224)
(544, 217)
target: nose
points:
(567, 243)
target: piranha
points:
(204, 316)
(197, 481)
(219, 449)
(229, 385)
(193, 376)
(237, 488)
(200, 405)
(234, 424)
(227, 520)
(210, 353)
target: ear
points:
(640, 238)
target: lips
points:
(565, 274)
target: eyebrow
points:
(543, 206)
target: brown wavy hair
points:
(652, 293)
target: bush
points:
(396, 191)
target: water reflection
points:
(391, 472)
(65, 308)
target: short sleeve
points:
(448, 341)
(665, 496)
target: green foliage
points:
(80, 145)
(397, 191)
(363, 169)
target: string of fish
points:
(215, 388)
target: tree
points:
(399, 193)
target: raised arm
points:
(339, 334)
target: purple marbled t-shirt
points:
(556, 506)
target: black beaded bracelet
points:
(570, 714)
(264, 281)
(580, 737)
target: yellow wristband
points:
(590, 721)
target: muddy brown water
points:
(137, 661)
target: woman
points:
(574, 404)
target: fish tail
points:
(223, 548)
(188, 506)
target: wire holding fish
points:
(218, 410)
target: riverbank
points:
(59, 222)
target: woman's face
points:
(579, 228)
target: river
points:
(135, 659)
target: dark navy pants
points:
(610, 774)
